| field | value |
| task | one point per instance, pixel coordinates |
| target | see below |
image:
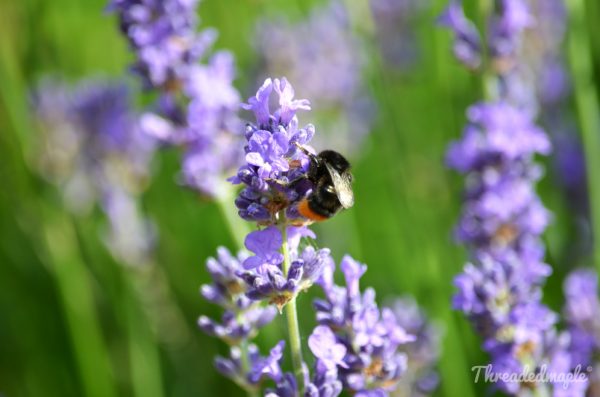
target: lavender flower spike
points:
(95, 151)
(273, 157)
(371, 338)
(197, 103)
(240, 322)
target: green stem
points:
(237, 226)
(291, 315)
(74, 285)
(588, 110)
(144, 355)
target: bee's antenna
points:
(304, 150)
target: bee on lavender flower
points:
(329, 172)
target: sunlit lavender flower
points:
(273, 157)
(421, 379)
(95, 151)
(264, 273)
(370, 338)
(197, 103)
(326, 61)
(396, 30)
(467, 41)
(241, 320)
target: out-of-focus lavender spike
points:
(197, 103)
(95, 151)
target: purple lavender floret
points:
(325, 382)
(264, 274)
(502, 300)
(582, 312)
(467, 41)
(373, 363)
(258, 368)
(235, 327)
(273, 157)
(421, 379)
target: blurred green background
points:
(406, 205)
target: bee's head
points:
(336, 160)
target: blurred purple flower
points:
(322, 342)
(421, 379)
(467, 41)
(503, 218)
(582, 312)
(502, 214)
(95, 151)
(197, 103)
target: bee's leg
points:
(277, 181)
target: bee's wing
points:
(342, 185)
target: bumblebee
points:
(330, 175)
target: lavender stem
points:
(588, 110)
(291, 314)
